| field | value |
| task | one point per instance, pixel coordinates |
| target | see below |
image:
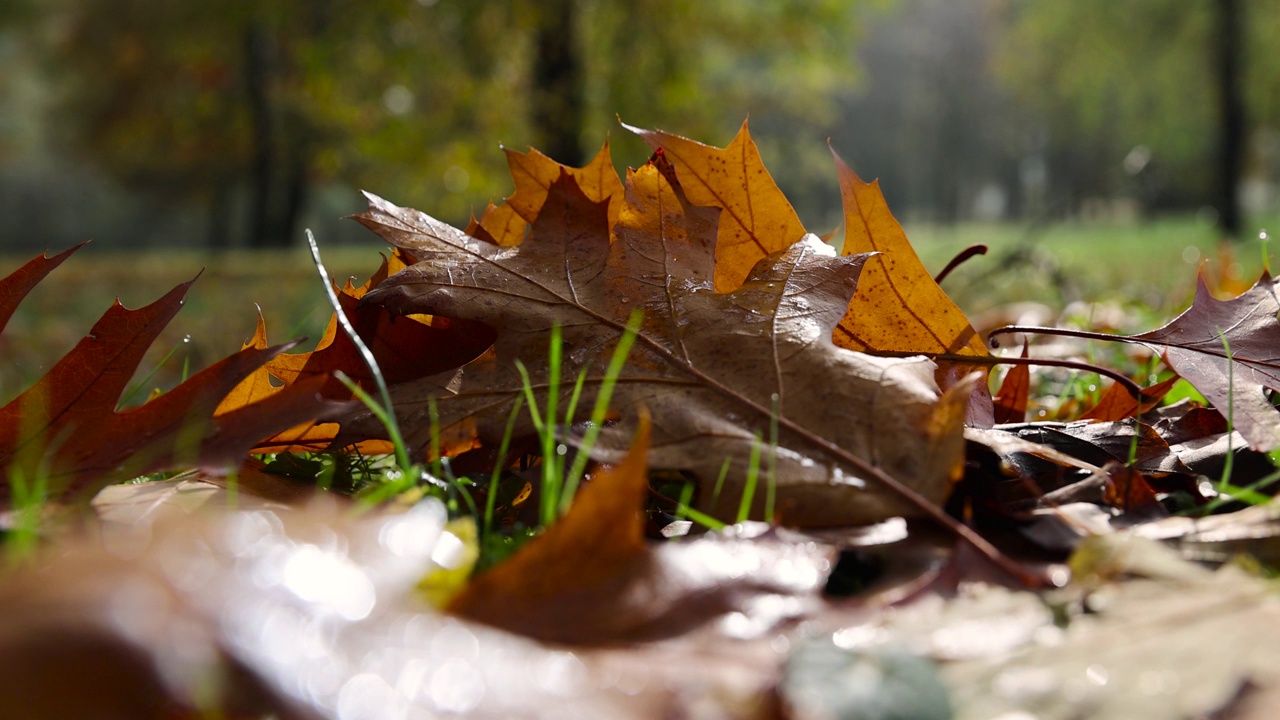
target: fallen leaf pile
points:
(837, 399)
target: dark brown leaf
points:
(1230, 351)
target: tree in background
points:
(1229, 53)
(245, 108)
(199, 100)
(1154, 81)
(931, 121)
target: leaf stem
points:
(963, 256)
(1127, 383)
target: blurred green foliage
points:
(1106, 77)
(194, 100)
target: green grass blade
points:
(601, 408)
(133, 391)
(387, 417)
(753, 479)
(503, 447)
(771, 482)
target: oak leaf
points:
(66, 429)
(1011, 401)
(710, 366)
(756, 220)
(404, 347)
(533, 173)
(899, 308)
(1230, 351)
(15, 286)
(1117, 403)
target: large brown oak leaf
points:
(709, 367)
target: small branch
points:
(1061, 332)
(960, 258)
(991, 360)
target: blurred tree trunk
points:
(1231, 111)
(257, 67)
(278, 172)
(219, 227)
(558, 83)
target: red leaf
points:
(16, 286)
(1011, 401)
(1117, 403)
(66, 429)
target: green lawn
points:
(1151, 264)
(218, 316)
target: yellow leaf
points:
(898, 307)
(756, 219)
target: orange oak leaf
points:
(533, 173)
(756, 219)
(66, 431)
(1117, 403)
(859, 437)
(1011, 401)
(898, 308)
